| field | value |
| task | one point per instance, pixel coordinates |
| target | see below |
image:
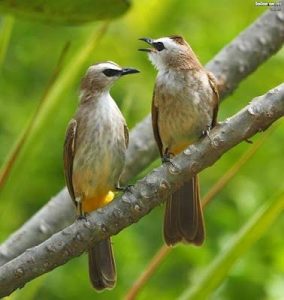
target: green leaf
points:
(64, 11)
(247, 236)
(5, 34)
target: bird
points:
(94, 156)
(184, 109)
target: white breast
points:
(101, 148)
(185, 107)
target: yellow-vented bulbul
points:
(94, 156)
(184, 108)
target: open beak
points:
(126, 71)
(148, 41)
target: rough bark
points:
(144, 195)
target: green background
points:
(32, 55)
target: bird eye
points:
(159, 46)
(111, 72)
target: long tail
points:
(183, 216)
(102, 271)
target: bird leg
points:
(206, 132)
(79, 209)
(167, 158)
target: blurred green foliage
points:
(64, 11)
(32, 55)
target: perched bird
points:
(184, 108)
(94, 156)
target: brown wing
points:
(214, 86)
(126, 135)
(155, 115)
(68, 155)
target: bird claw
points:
(82, 217)
(206, 132)
(166, 159)
(123, 188)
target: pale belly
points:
(96, 176)
(98, 162)
(183, 119)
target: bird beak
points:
(126, 71)
(148, 41)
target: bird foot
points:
(82, 217)
(166, 159)
(79, 209)
(206, 132)
(123, 188)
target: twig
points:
(146, 194)
(235, 249)
(155, 262)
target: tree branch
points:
(231, 65)
(234, 63)
(144, 196)
(165, 250)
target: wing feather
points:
(155, 115)
(126, 135)
(214, 86)
(68, 155)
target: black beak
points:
(126, 71)
(148, 41)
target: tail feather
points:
(183, 216)
(171, 232)
(200, 233)
(102, 271)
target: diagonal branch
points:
(164, 250)
(144, 196)
(233, 64)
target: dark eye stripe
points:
(159, 46)
(111, 72)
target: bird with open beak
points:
(184, 109)
(94, 155)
